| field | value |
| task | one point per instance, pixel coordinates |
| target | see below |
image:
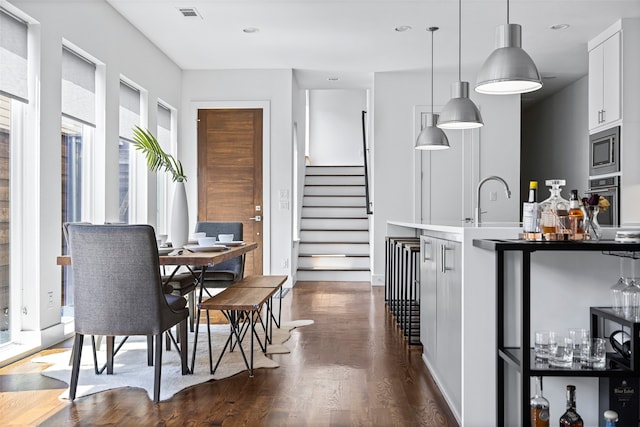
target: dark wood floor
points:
(350, 368)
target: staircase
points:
(334, 229)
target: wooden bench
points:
(240, 303)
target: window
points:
(77, 131)
(13, 97)
(129, 117)
(165, 137)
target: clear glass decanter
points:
(553, 208)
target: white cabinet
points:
(605, 83)
(441, 313)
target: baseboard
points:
(377, 280)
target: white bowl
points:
(195, 236)
(206, 241)
(225, 237)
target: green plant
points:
(157, 159)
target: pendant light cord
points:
(459, 40)
(507, 12)
(432, 73)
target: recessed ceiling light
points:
(333, 79)
(403, 28)
(250, 30)
(560, 26)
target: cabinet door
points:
(596, 72)
(449, 318)
(611, 79)
(428, 304)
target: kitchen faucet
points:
(480, 184)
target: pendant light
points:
(460, 112)
(432, 137)
(509, 69)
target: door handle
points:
(256, 218)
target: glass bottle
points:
(576, 216)
(530, 211)
(539, 407)
(571, 418)
(553, 208)
(610, 418)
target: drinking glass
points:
(630, 300)
(593, 353)
(561, 352)
(616, 295)
(580, 337)
(542, 342)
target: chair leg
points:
(75, 370)
(158, 368)
(110, 353)
(150, 350)
(183, 347)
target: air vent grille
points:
(189, 12)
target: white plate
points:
(164, 251)
(212, 248)
(234, 243)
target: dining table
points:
(194, 260)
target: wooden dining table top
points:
(200, 259)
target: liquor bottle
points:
(539, 407)
(530, 211)
(576, 217)
(571, 418)
(610, 418)
(553, 208)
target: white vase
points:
(179, 217)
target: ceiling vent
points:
(189, 12)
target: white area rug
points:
(131, 370)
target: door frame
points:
(266, 162)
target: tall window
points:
(129, 117)
(164, 138)
(78, 123)
(13, 97)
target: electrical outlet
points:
(285, 262)
(493, 196)
(50, 295)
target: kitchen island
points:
(458, 312)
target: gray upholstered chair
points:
(118, 292)
(223, 274)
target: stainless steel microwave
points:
(604, 152)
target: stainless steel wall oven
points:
(608, 188)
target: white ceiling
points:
(352, 39)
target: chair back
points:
(117, 285)
(233, 268)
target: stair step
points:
(344, 236)
(333, 263)
(334, 170)
(346, 201)
(334, 190)
(335, 212)
(319, 248)
(334, 224)
(334, 180)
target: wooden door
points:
(230, 173)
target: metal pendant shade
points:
(432, 137)
(509, 69)
(460, 112)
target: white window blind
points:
(78, 87)
(13, 57)
(164, 117)
(129, 110)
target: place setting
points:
(200, 242)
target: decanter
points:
(553, 208)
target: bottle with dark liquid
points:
(571, 418)
(539, 407)
(576, 217)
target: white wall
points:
(248, 89)
(396, 96)
(99, 30)
(555, 140)
(300, 122)
(335, 127)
